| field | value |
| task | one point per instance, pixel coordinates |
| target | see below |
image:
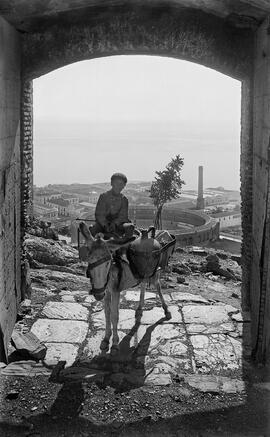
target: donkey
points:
(103, 272)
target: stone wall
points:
(163, 31)
(10, 263)
(260, 278)
(184, 34)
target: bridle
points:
(99, 291)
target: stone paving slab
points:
(180, 297)
(66, 331)
(65, 311)
(25, 368)
(157, 377)
(171, 348)
(134, 295)
(152, 316)
(220, 328)
(204, 314)
(216, 352)
(161, 333)
(215, 384)
(67, 298)
(61, 352)
(126, 319)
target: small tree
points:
(167, 186)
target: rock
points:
(180, 280)
(50, 252)
(216, 352)
(59, 352)
(134, 295)
(65, 310)
(205, 314)
(222, 255)
(58, 281)
(237, 258)
(198, 251)
(215, 384)
(179, 250)
(25, 306)
(181, 269)
(29, 343)
(152, 316)
(157, 377)
(180, 296)
(213, 265)
(218, 328)
(13, 394)
(235, 295)
(67, 331)
(25, 368)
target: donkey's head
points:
(99, 258)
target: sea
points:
(87, 151)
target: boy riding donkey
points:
(112, 220)
(112, 211)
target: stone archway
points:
(231, 38)
(175, 32)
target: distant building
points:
(71, 198)
(93, 197)
(42, 197)
(62, 205)
(227, 219)
(45, 212)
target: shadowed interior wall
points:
(260, 278)
(10, 262)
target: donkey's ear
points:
(85, 232)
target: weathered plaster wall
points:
(10, 268)
(246, 175)
(182, 33)
(260, 280)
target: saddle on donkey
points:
(143, 256)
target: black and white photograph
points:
(135, 218)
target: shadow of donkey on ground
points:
(123, 371)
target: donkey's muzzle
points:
(98, 293)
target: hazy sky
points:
(132, 114)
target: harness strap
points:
(99, 261)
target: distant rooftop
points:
(225, 214)
(69, 196)
(60, 202)
(44, 207)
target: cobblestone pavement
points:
(203, 337)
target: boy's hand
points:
(110, 227)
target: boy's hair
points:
(119, 176)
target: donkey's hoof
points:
(104, 345)
(114, 349)
(168, 315)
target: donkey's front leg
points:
(115, 298)
(139, 310)
(104, 346)
(163, 303)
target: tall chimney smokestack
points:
(200, 199)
